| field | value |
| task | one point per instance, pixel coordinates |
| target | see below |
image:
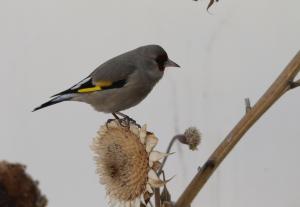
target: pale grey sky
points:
(233, 52)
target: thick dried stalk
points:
(282, 84)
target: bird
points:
(119, 83)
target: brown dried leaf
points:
(147, 196)
(165, 195)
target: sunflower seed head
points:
(127, 164)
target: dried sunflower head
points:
(17, 188)
(126, 163)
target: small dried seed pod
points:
(191, 137)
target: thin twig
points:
(176, 137)
(282, 84)
(211, 2)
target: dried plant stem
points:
(157, 197)
(168, 151)
(282, 84)
(211, 2)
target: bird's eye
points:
(160, 60)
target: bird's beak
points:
(170, 63)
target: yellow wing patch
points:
(104, 83)
(86, 90)
(98, 87)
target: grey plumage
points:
(123, 81)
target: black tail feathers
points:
(55, 100)
(48, 103)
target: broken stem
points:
(247, 105)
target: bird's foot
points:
(127, 120)
(122, 122)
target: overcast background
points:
(233, 52)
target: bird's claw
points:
(124, 122)
(129, 121)
(108, 122)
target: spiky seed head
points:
(191, 137)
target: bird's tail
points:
(55, 100)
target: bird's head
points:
(158, 56)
